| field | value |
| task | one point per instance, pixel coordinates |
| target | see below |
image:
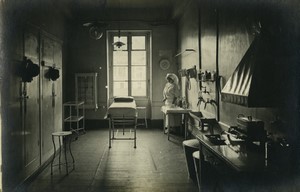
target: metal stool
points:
(196, 157)
(145, 115)
(189, 147)
(64, 136)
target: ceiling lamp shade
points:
(95, 32)
(118, 44)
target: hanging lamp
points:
(119, 43)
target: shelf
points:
(207, 76)
(186, 50)
(74, 103)
(74, 112)
(74, 118)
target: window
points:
(129, 66)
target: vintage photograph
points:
(150, 95)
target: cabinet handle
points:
(24, 97)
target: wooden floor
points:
(155, 165)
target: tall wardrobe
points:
(34, 109)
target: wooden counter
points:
(228, 166)
(241, 158)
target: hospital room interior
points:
(149, 95)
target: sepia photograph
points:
(149, 95)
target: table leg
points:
(70, 149)
(59, 153)
(109, 141)
(65, 152)
(146, 118)
(135, 125)
(168, 127)
(164, 123)
(185, 125)
(53, 154)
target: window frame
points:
(129, 34)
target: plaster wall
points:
(225, 35)
(88, 55)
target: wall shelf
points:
(186, 50)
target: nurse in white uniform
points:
(170, 94)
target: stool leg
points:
(59, 152)
(70, 149)
(65, 151)
(196, 164)
(53, 154)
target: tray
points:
(216, 139)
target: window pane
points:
(138, 42)
(138, 57)
(120, 89)
(120, 58)
(138, 73)
(120, 73)
(139, 88)
(123, 39)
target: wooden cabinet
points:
(50, 92)
(34, 107)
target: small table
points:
(176, 110)
(64, 136)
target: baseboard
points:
(91, 124)
(156, 123)
(23, 186)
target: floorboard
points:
(155, 165)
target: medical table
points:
(122, 113)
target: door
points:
(47, 107)
(57, 88)
(30, 106)
(12, 119)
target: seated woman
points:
(170, 93)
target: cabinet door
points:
(21, 138)
(47, 107)
(30, 106)
(12, 127)
(57, 88)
